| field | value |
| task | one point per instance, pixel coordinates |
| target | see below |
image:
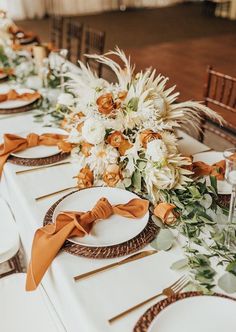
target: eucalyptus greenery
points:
(202, 221)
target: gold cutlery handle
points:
(104, 268)
(42, 167)
(54, 193)
(126, 312)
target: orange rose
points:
(112, 175)
(85, 148)
(147, 136)
(117, 140)
(106, 103)
(85, 178)
(165, 212)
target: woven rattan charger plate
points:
(38, 161)
(146, 319)
(22, 109)
(147, 235)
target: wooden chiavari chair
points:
(74, 37)
(94, 43)
(220, 95)
(57, 31)
(221, 5)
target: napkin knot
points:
(32, 140)
(102, 210)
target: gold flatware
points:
(129, 259)
(41, 167)
(173, 289)
(54, 193)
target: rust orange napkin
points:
(49, 239)
(13, 143)
(202, 169)
(14, 95)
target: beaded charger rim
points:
(147, 235)
(38, 161)
(146, 319)
(22, 109)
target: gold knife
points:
(131, 258)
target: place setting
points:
(17, 100)
(33, 149)
(118, 184)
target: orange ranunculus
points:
(85, 178)
(112, 175)
(147, 136)
(165, 211)
(85, 148)
(106, 103)
(117, 140)
(65, 146)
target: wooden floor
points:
(180, 42)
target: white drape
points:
(22, 9)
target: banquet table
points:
(86, 305)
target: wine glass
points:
(230, 176)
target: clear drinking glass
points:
(230, 176)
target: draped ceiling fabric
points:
(23, 9)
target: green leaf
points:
(180, 264)
(213, 181)
(137, 180)
(195, 192)
(227, 283)
(231, 267)
(133, 104)
(164, 240)
(206, 201)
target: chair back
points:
(74, 38)
(57, 31)
(94, 43)
(220, 95)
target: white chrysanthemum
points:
(100, 157)
(93, 131)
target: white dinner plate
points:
(211, 157)
(197, 314)
(9, 104)
(39, 151)
(107, 232)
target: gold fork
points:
(55, 193)
(173, 289)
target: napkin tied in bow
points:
(14, 95)
(49, 239)
(13, 143)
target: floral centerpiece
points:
(122, 134)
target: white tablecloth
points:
(87, 305)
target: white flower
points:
(100, 157)
(157, 150)
(65, 99)
(93, 131)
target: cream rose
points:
(93, 131)
(156, 150)
(65, 99)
